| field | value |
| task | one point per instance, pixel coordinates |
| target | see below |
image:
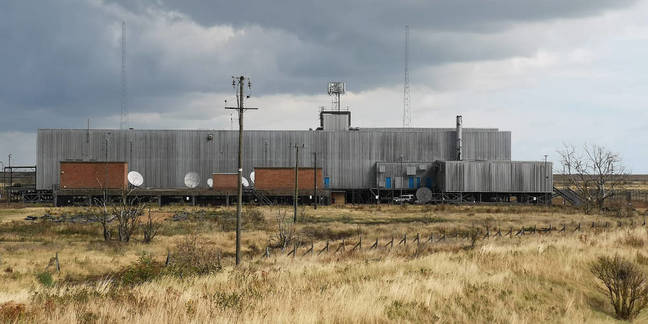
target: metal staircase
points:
(569, 195)
(260, 196)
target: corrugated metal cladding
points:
(348, 158)
(335, 121)
(494, 176)
(394, 175)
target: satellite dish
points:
(191, 180)
(252, 176)
(423, 195)
(245, 182)
(135, 178)
(210, 182)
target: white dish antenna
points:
(252, 176)
(192, 180)
(210, 182)
(245, 182)
(135, 178)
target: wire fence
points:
(420, 240)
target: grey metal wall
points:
(399, 174)
(348, 158)
(494, 176)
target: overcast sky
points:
(551, 71)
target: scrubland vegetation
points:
(186, 272)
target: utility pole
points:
(4, 180)
(315, 177)
(241, 108)
(296, 146)
(401, 175)
(10, 182)
(546, 179)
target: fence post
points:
(168, 259)
(325, 248)
(578, 227)
(375, 245)
(404, 240)
(58, 265)
(390, 243)
(417, 239)
(309, 250)
(267, 253)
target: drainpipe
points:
(459, 138)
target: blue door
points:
(327, 182)
(428, 182)
(388, 182)
(411, 182)
(418, 182)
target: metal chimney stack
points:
(459, 138)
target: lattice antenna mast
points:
(407, 113)
(123, 118)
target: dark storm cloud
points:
(60, 60)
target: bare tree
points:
(103, 217)
(150, 228)
(127, 213)
(596, 173)
(285, 229)
(624, 283)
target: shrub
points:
(189, 258)
(144, 270)
(625, 283)
(45, 278)
(285, 229)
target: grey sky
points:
(550, 71)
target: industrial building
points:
(346, 164)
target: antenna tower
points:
(407, 113)
(123, 118)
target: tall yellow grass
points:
(535, 278)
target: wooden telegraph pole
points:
(240, 108)
(297, 147)
(315, 177)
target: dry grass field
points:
(535, 277)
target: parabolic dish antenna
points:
(252, 176)
(135, 178)
(423, 195)
(191, 180)
(245, 182)
(210, 182)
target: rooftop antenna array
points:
(407, 113)
(336, 89)
(123, 118)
